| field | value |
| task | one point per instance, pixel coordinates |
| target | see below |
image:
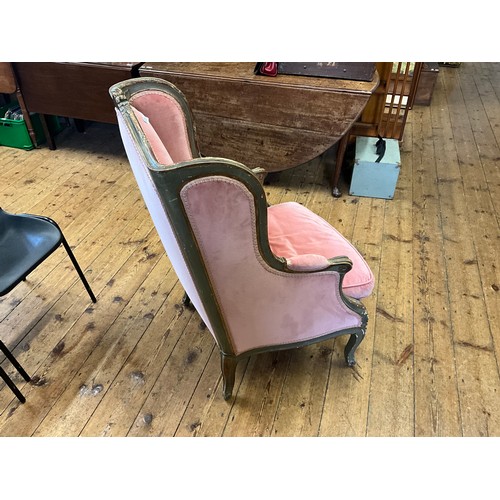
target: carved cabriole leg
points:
(228, 366)
(353, 343)
(358, 334)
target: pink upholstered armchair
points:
(261, 278)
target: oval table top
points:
(274, 123)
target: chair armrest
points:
(341, 264)
(313, 263)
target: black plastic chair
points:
(25, 242)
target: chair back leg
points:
(71, 256)
(78, 269)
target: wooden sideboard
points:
(72, 89)
(7, 80)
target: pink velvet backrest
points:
(166, 119)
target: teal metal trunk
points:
(371, 178)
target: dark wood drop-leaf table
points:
(275, 123)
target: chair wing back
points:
(175, 135)
(168, 133)
(142, 154)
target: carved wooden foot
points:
(354, 340)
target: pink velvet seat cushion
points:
(296, 234)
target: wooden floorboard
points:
(436, 396)
(138, 363)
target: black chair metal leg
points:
(71, 256)
(18, 367)
(78, 269)
(12, 386)
(14, 361)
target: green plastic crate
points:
(14, 133)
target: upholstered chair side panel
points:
(160, 220)
(168, 120)
(261, 306)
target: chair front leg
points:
(354, 340)
(14, 361)
(18, 367)
(11, 385)
(228, 365)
